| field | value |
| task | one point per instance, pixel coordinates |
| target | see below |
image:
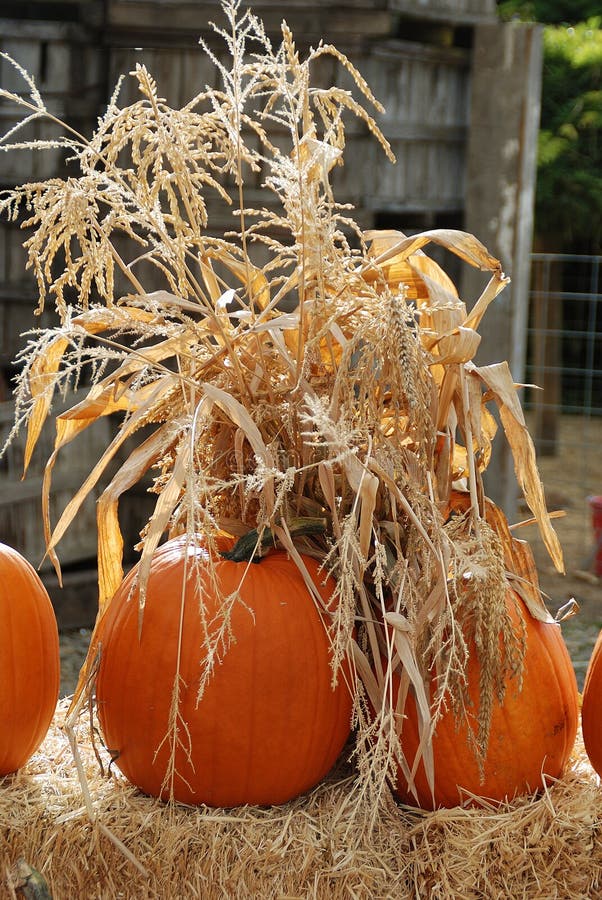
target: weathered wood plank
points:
(76, 602)
(464, 12)
(501, 165)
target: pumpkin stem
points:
(248, 548)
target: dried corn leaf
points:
(463, 244)
(365, 484)
(328, 486)
(41, 385)
(365, 670)
(45, 366)
(110, 540)
(411, 672)
(240, 416)
(456, 346)
(420, 277)
(494, 286)
(159, 520)
(69, 428)
(255, 282)
(441, 289)
(499, 381)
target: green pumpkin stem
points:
(248, 548)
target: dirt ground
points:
(570, 477)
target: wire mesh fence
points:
(564, 415)
(565, 410)
(565, 341)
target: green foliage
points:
(568, 205)
(553, 12)
(569, 184)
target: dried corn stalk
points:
(333, 381)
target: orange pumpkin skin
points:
(29, 661)
(268, 726)
(532, 733)
(591, 709)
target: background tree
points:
(554, 12)
(568, 206)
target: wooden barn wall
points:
(68, 69)
(469, 12)
(20, 500)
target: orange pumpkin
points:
(29, 661)
(268, 726)
(591, 709)
(532, 733)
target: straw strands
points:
(320, 845)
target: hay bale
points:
(320, 845)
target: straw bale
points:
(320, 845)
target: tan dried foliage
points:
(334, 381)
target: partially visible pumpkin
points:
(29, 660)
(532, 733)
(269, 725)
(591, 709)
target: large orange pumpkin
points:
(29, 660)
(268, 726)
(532, 733)
(591, 709)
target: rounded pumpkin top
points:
(29, 660)
(240, 654)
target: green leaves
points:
(570, 147)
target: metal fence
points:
(565, 362)
(565, 336)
